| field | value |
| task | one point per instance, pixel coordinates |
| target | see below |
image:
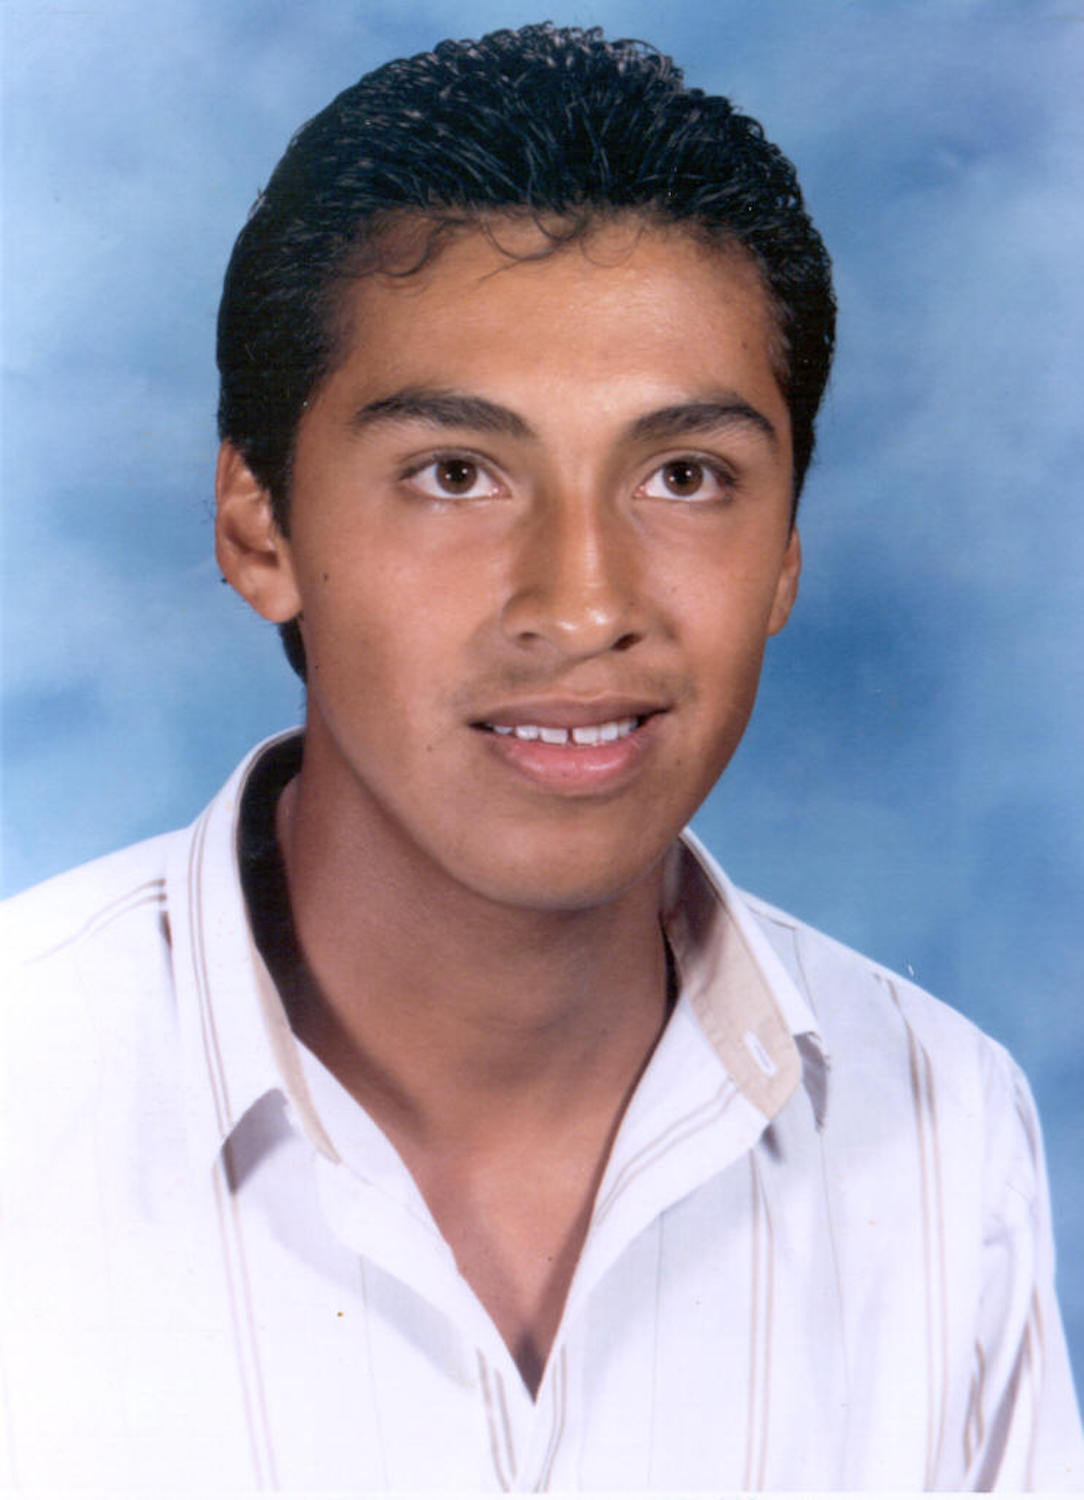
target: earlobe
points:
(786, 589)
(252, 551)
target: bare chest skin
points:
(510, 1186)
(516, 1220)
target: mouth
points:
(574, 749)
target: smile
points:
(573, 758)
(585, 735)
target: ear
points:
(786, 588)
(252, 551)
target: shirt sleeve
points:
(1024, 1429)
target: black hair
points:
(555, 122)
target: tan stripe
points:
(241, 1319)
(244, 1325)
(799, 961)
(215, 1069)
(975, 1426)
(661, 1240)
(942, 1275)
(1035, 1358)
(150, 893)
(969, 1422)
(560, 1412)
(371, 1365)
(506, 1425)
(754, 1328)
(837, 1270)
(927, 1250)
(933, 1236)
(980, 1404)
(9, 1470)
(503, 1478)
(769, 1309)
(681, 1130)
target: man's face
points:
(540, 531)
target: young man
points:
(433, 1113)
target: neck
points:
(451, 1016)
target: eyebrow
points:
(690, 417)
(442, 409)
(452, 409)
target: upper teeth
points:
(587, 734)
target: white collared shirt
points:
(820, 1256)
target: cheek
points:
(726, 604)
(347, 631)
(730, 638)
(381, 655)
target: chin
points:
(567, 882)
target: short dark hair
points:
(556, 122)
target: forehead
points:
(615, 292)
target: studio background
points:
(911, 780)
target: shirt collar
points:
(758, 1023)
(237, 1039)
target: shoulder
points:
(895, 1048)
(85, 953)
(933, 1173)
(88, 1025)
(118, 893)
(845, 988)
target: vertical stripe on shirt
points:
(760, 1333)
(370, 1362)
(244, 1332)
(701, 1118)
(933, 1242)
(974, 1425)
(1033, 1358)
(233, 1256)
(560, 1405)
(500, 1438)
(212, 1053)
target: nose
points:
(576, 582)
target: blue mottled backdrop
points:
(911, 781)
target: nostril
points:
(624, 642)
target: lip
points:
(570, 769)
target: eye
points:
(686, 478)
(454, 477)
